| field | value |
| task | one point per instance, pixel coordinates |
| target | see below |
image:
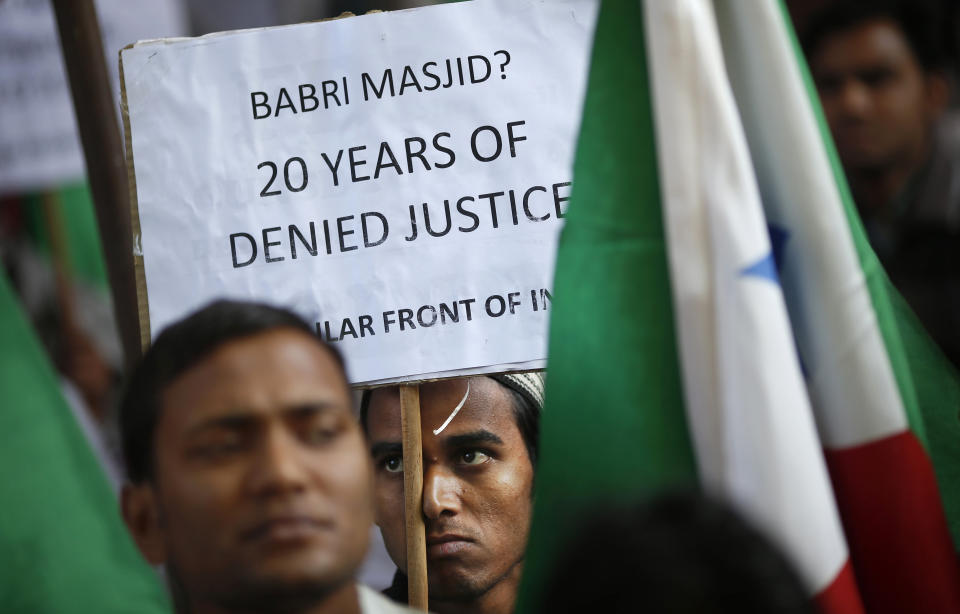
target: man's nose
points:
(277, 469)
(441, 493)
(854, 98)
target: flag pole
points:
(413, 496)
(82, 48)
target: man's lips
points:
(447, 544)
(285, 528)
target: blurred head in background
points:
(678, 553)
(249, 478)
(879, 67)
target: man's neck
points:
(344, 600)
(501, 598)
(874, 188)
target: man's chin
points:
(285, 596)
(272, 584)
(449, 582)
(279, 587)
(864, 154)
(306, 569)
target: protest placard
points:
(399, 179)
(39, 146)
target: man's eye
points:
(394, 464)
(322, 430)
(877, 78)
(474, 457)
(222, 446)
(321, 434)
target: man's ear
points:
(938, 93)
(141, 513)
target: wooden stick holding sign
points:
(413, 496)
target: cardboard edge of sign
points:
(363, 386)
(140, 279)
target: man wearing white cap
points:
(480, 438)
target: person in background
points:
(480, 438)
(881, 68)
(248, 475)
(678, 553)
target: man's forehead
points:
(871, 41)
(487, 405)
(481, 414)
(270, 373)
(247, 415)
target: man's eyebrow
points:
(233, 421)
(472, 438)
(304, 410)
(386, 448)
(243, 418)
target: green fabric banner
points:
(64, 547)
(613, 426)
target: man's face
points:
(262, 487)
(879, 102)
(477, 484)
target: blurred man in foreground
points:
(249, 478)
(881, 70)
(480, 437)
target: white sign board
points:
(398, 178)
(39, 144)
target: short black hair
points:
(525, 413)
(678, 552)
(921, 22)
(178, 348)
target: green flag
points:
(611, 269)
(74, 207)
(884, 397)
(64, 547)
(672, 362)
(672, 356)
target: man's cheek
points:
(389, 517)
(202, 508)
(388, 498)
